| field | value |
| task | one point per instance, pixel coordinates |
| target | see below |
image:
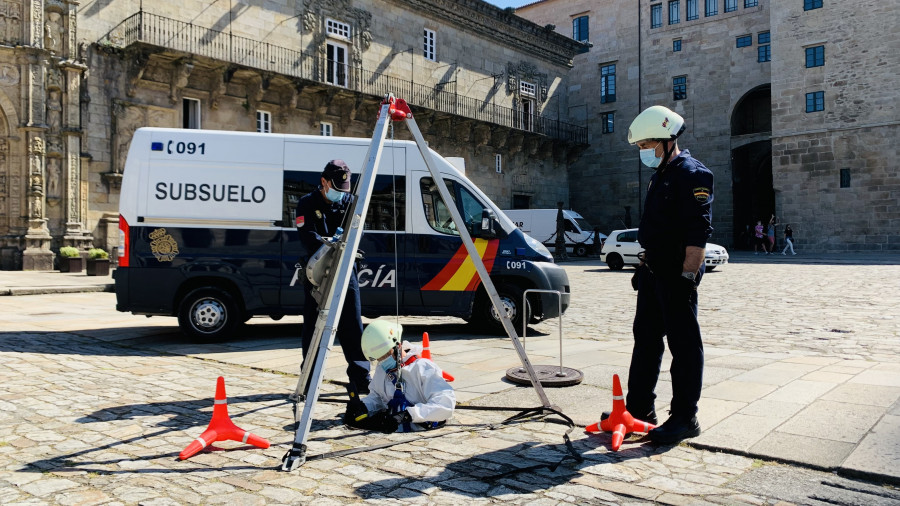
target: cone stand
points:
(221, 428)
(620, 421)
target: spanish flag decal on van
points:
(459, 275)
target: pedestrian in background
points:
(759, 238)
(674, 229)
(771, 233)
(788, 240)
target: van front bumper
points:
(549, 276)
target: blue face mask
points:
(649, 158)
(334, 195)
(388, 364)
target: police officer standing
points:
(322, 212)
(674, 228)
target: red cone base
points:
(426, 353)
(620, 421)
(221, 428)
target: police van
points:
(206, 225)
(541, 224)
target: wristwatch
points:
(689, 275)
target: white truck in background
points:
(541, 225)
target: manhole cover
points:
(548, 375)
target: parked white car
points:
(622, 247)
(715, 256)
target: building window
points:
(744, 41)
(337, 29)
(336, 66)
(750, 3)
(731, 5)
(429, 45)
(674, 12)
(263, 122)
(607, 84)
(764, 52)
(815, 101)
(845, 173)
(655, 16)
(815, 56)
(712, 8)
(526, 88)
(608, 122)
(521, 201)
(679, 88)
(693, 10)
(190, 113)
(325, 129)
(526, 114)
(676, 45)
(809, 5)
(580, 29)
(498, 163)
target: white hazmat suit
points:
(432, 399)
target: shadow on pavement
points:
(507, 472)
(188, 416)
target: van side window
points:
(296, 185)
(569, 227)
(438, 215)
(436, 211)
(387, 207)
(380, 215)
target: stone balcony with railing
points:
(143, 28)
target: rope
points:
(522, 413)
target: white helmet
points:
(655, 122)
(380, 337)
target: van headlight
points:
(536, 245)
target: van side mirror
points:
(489, 228)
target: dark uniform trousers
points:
(349, 331)
(666, 307)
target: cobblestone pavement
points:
(95, 405)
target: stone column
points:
(76, 203)
(37, 255)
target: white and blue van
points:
(206, 223)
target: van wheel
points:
(208, 313)
(511, 298)
(580, 250)
(615, 262)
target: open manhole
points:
(548, 375)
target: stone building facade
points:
(736, 70)
(484, 84)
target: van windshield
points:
(584, 225)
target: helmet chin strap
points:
(668, 153)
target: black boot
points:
(676, 428)
(648, 417)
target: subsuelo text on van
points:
(214, 192)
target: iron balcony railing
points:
(155, 30)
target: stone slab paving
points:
(783, 364)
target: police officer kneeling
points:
(406, 393)
(674, 228)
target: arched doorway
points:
(751, 163)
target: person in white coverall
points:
(407, 393)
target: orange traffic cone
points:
(620, 421)
(221, 428)
(426, 353)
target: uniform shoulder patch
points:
(299, 221)
(701, 194)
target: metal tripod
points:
(338, 277)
